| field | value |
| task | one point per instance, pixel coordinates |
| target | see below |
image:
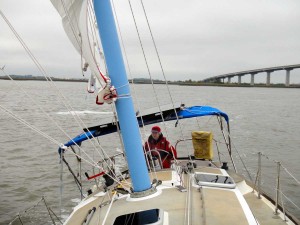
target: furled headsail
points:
(79, 24)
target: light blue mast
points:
(124, 105)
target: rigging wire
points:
(95, 29)
(62, 98)
(80, 35)
(134, 91)
(89, 6)
(91, 162)
(88, 19)
(70, 22)
(161, 66)
(92, 23)
(90, 48)
(28, 211)
(8, 112)
(45, 135)
(41, 108)
(240, 157)
(149, 72)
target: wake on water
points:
(83, 113)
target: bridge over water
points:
(269, 70)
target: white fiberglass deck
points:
(197, 205)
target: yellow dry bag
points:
(202, 142)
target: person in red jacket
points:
(157, 141)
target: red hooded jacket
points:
(164, 144)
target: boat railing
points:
(25, 216)
(265, 174)
(281, 199)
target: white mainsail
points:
(78, 22)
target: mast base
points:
(142, 195)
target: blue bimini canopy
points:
(152, 118)
(197, 111)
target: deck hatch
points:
(214, 180)
(147, 217)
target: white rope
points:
(8, 112)
(92, 163)
(103, 198)
(187, 215)
(40, 107)
(82, 123)
(108, 210)
(31, 126)
(62, 98)
(51, 139)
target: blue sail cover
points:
(183, 113)
(81, 137)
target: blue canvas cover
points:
(81, 137)
(197, 111)
(183, 113)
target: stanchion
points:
(277, 188)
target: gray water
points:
(262, 119)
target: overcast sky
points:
(196, 38)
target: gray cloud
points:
(195, 38)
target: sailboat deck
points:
(263, 212)
(203, 208)
(173, 202)
(223, 207)
(199, 205)
(165, 201)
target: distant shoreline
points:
(146, 81)
(43, 79)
